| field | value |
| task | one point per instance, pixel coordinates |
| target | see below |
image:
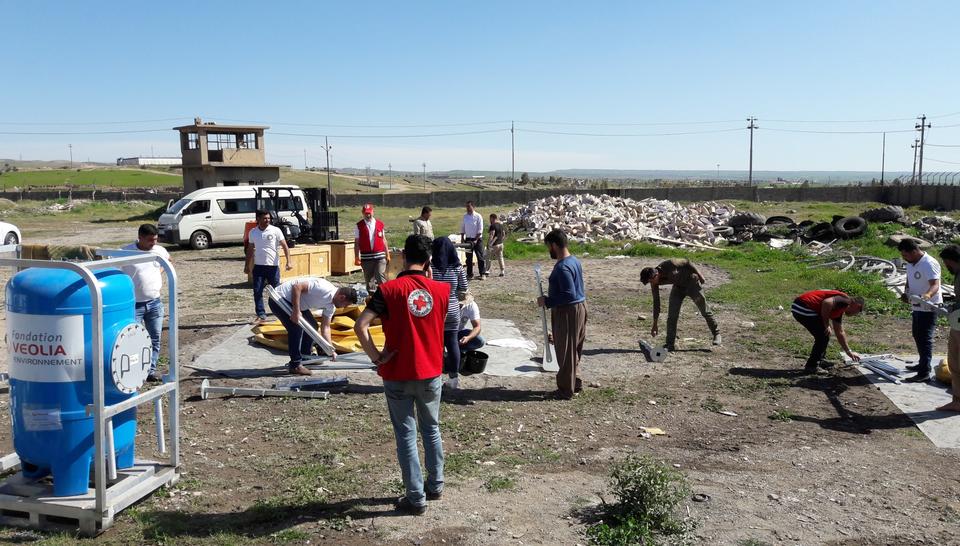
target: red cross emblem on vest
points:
(420, 302)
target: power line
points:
(877, 132)
(368, 126)
(538, 131)
(426, 135)
(942, 161)
(645, 124)
(126, 132)
(55, 123)
(944, 145)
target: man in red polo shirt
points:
(412, 308)
(370, 249)
(817, 310)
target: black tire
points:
(11, 239)
(200, 240)
(805, 224)
(890, 213)
(823, 230)
(780, 221)
(850, 227)
(722, 231)
(746, 219)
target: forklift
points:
(320, 224)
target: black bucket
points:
(474, 362)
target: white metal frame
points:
(96, 513)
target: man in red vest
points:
(370, 249)
(817, 311)
(412, 308)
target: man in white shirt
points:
(303, 295)
(469, 336)
(147, 284)
(471, 231)
(923, 283)
(422, 225)
(263, 259)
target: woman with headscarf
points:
(445, 267)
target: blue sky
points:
(442, 63)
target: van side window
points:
(243, 205)
(198, 207)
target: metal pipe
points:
(158, 417)
(173, 347)
(206, 389)
(134, 401)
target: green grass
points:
(782, 415)
(500, 483)
(86, 178)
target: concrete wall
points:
(930, 196)
(946, 197)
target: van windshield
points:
(178, 206)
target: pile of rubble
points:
(938, 229)
(590, 218)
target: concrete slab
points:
(239, 356)
(919, 400)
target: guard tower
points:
(224, 155)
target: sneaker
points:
(921, 377)
(299, 369)
(670, 348)
(432, 496)
(404, 505)
(501, 274)
(914, 367)
(811, 369)
(717, 340)
(452, 384)
(578, 386)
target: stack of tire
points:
(750, 226)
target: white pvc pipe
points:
(158, 417)
(111, 454)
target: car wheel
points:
(11, 239)
(200, 240)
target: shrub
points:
(649, 494)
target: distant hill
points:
(54, 164)
(821, 177)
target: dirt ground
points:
(847, 469)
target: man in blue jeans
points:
(922, 292)
(147, 284)
(413, 309)
(263, 259)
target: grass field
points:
(105, 178)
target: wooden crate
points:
(308, 261)
(396, 262)
(341, 257)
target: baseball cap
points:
(367, 208)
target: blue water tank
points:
(49, 336)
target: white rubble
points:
(589, 218)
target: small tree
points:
(524, 179)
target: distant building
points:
(224, 155)
(149, 161)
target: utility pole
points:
(71, 154)
(718, 172)
(915, 146)
(513, 160)
(326, 148)
(390, 168)
(883, 157)
(304, 159)
(424, 176)
(752, 126)
(921, 126)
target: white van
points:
(220, 214)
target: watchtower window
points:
(193, 141)
(220, 141)
(248, 141)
